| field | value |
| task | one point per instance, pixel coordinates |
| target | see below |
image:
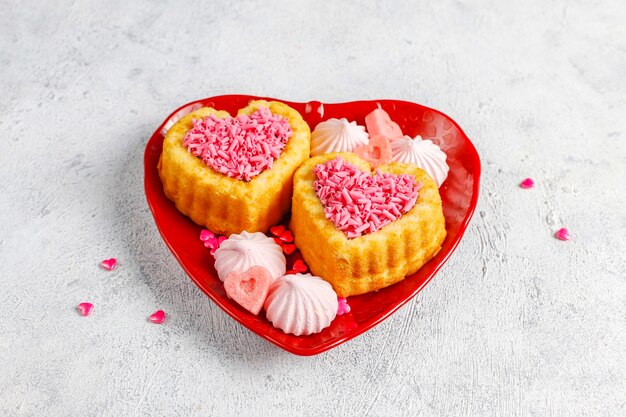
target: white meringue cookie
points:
(337, 135)
(423, 153)
(242, 251)
(301, 304)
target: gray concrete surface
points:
(516, 324)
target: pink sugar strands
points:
(359, 203)
(241, 147)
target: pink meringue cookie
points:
(301, 304)
(242, 251)
(423, 153)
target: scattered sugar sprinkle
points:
(563, 234)
(158, 317)
(527, 183)
(109, 264)
(85, 309)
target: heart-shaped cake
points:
(232, 174)
(363, 231)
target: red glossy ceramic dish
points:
(459, 194)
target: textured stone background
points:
(516, 324)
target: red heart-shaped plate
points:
(459, 194)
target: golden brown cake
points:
(228, 205)
(371, 261)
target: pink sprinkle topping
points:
(527, 183)
(158, 317)
(239, 147)
(343, 308)
(109, 264)
(563, 234)
(85, 309)
(358, 202)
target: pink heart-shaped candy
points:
(249, 289)
(109, 264)
(239, 147)
(85, 309)
(563, 234)
(158, 317)
(527, 183)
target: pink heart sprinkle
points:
(211, 243)
(527, 183)
(300, 266)
(216, 244)
(206, 235)
(343, 307)
(358, 202)
(239, 147)
(563, 234)
(277, 230)
(158, 317)
(85, 309)
(109, 264)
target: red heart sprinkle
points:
(286, 236)
(277, 240)
(85, 308)
(289, 248)
(109, 264)
(158, 317)
(291, 272)
(277, 230)
(300, 266)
